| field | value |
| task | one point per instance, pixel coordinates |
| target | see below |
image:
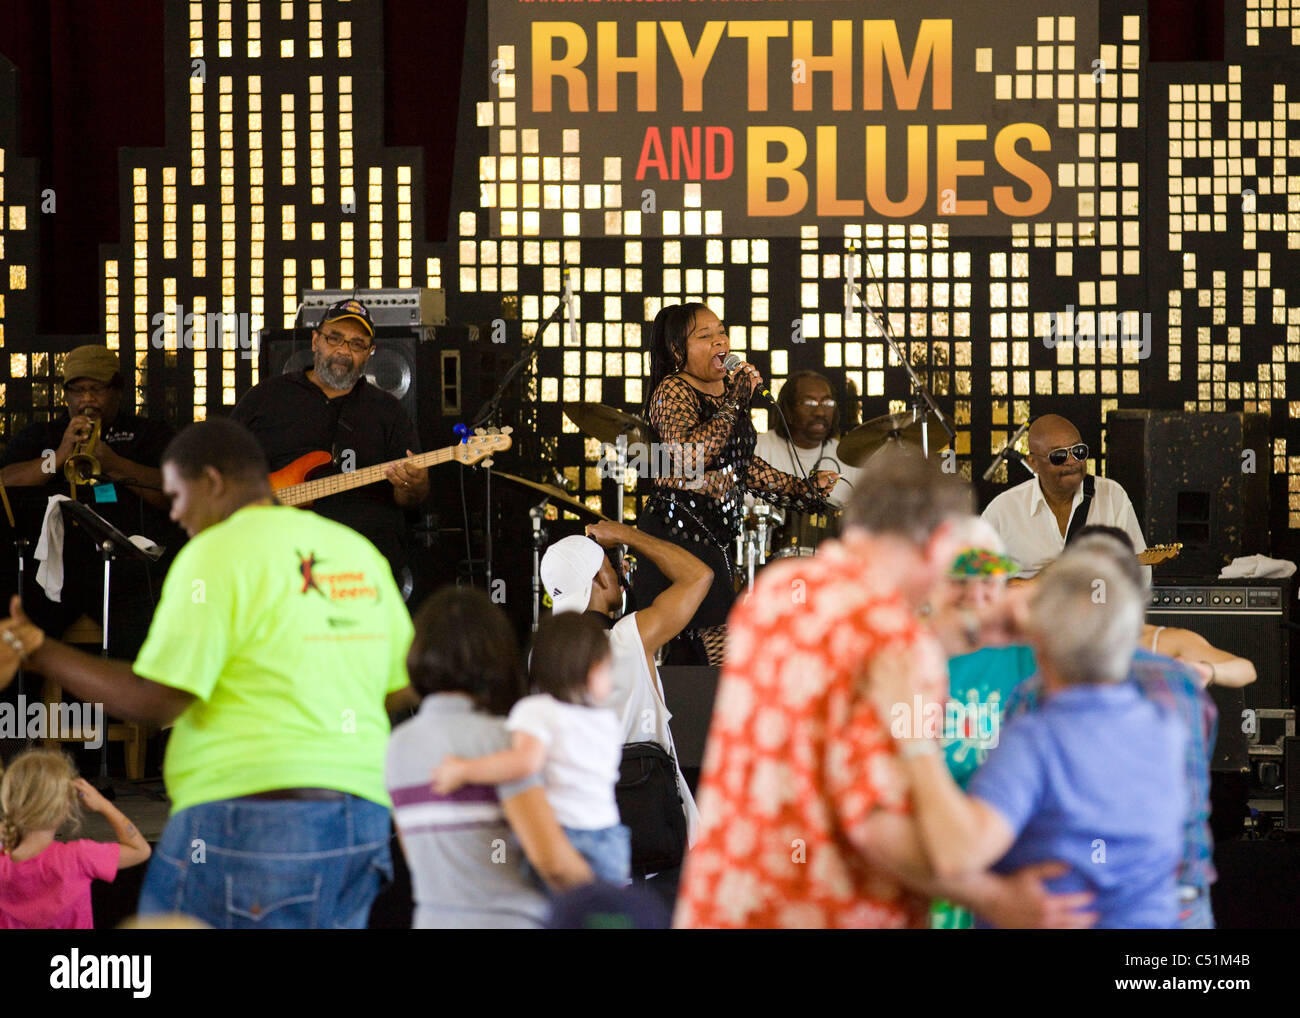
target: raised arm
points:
(689, 581)
(134, 849)
(675, 415)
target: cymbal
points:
(857, 446)
(606, 423)
(554, 494)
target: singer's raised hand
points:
(825, 481)
(745, 378)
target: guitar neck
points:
(309, 491)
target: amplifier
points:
(1249, 618)
(1291, 785)
(412, 306)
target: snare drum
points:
(803, 532)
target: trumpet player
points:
(117, 475)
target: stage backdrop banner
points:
(759, 118)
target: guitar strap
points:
(339, 405)
(1080, 518)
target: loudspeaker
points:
(690, 690)
(1198, 479)
(1250, 618)
(403, 365)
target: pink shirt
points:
(51, 891)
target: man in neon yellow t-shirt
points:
(277, 640)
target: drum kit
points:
(768, 532)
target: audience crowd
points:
(900, 738)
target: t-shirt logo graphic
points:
(306, 563)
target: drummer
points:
(807, 403)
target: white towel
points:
(1257, 567)
(49, 550)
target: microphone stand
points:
(112, 544)
(493, 406)
(921, 396)
(536, 514)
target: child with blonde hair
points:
(45, 884)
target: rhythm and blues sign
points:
(785, 113)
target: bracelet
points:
(909, 749)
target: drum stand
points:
(756, 541)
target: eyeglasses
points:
(1058, 456)
(813, 404)
(89, 389)
(335, 339)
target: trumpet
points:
(81, 466)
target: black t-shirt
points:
(291, 416)
(135, 582)
(136, 438)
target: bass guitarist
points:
(333, 407)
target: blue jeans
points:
(608, 851)
(272, 863)
(1196, 914)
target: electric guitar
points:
(1158, 553)
(292, 487)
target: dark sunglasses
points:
(1058, 456)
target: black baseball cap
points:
(351, 308)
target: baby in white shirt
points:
(559, 732)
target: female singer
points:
(700, 412)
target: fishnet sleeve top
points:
(709, 449)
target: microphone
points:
(763, 392)
(1008, 453)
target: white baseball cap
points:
(569, 567)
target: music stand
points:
(112, 543)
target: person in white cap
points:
(579, 578)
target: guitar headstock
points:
(480, 445)
(1158, 553)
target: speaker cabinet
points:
(1250, 618)
(1198, 479)
(405, 365)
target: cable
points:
(464, 508)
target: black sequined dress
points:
(709, 450)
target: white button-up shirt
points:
(1028, 526)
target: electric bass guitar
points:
(292, 486)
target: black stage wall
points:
(235, 201)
